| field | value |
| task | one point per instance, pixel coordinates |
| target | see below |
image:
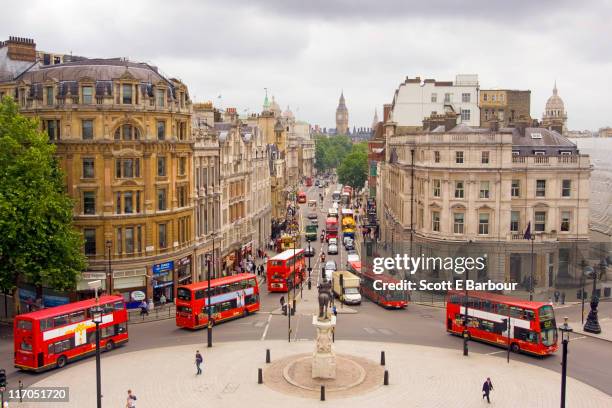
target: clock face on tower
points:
(340, 116)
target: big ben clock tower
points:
(341, 117)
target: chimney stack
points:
(21, 49)
(521, 125)
(450, 121)
(386, 112)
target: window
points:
(566, 188)
(182, 166)
(437, 156)
(465, 115)
(129, 240)
(89, 235)
(436, 188)
(87, 129)
(434, 97)
(435, 221)
(515, 191)
(127, 168)
(447, 98)
(87, 92)
(515, 221)
(484, 158)
(539, 152)
(540, 221)
(89, 202)
(161, 234)
(459, 157)
(138, 202)
(161, 199)
(161, 166)
(458, 223)
(53, 129)
(458, 189)
(484, 189)
(127, 132)
(127, 94)
(565, 221)
(485, 97)
(128, 204)
(466, 97)
(181, 193)
(88, 168)
(159, 97)
(536, 135)
(118, 203)
(49, 91)
(119, 246)
(483, 223)
(540, 188)
(161, 130)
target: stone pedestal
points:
(324, 358)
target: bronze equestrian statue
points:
(325, 299)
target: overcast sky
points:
(306, 52)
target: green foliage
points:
(354, 168)
(330, 151)
(37, 241)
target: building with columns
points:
(453, 189)
(555, 116)
(123, 137)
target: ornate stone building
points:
(555, 116)
(452, 189)
(123, 136)
(342, 117)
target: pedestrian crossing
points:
(375, 331)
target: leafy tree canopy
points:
(354, 167)
(38, 243)
(330, 151)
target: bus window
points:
(60, 320)
(529, 315)
(252, 283)
(199, 294)
(77, 317)
(46, 324)
(24, 325)
(119, 305)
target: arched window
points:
(127, 132)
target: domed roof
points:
(287, 113)
(555, 103)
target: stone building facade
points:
(450, 190)
(123, 136)
(505, 106)
(555, 116)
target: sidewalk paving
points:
(606, 330)
(420, 376)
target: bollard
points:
(259, 376)
(322, 393)
(267, 356)
(386, 380)
(382, 358)
(20, 391)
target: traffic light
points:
(2, 378)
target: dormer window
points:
(536, 135)
(159, 97)
(539, 152)
(127, 94)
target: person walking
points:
(198, 361)
(487, 387)
(143, 308)
(162, 300)
(131, 400)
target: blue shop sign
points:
(163, 268)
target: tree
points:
(354, 168)
(330, 151)
(38, 243)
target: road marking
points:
(386, 332)
(579, 337)
(497, 352)
(369, 330)
(263, 336)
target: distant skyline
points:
(306, 53)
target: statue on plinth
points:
(324, 358)
(325, 299)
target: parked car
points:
(332, 249)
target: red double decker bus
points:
(502, 320)
(55, 336)
(280, 270)
(301, 197)
(231, 297)
(388, 298)
(331, 228)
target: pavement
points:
(606, 330)
(420, 376)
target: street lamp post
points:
(565, 333)
(309, 268)
(109, 274)
(211, 266)
(466, 333)
(531, 270)
(592, 323)
(96, 312)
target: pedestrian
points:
(198, 361)
(487, 387)
(562, 298)
(162, 299)
(131, 400)
(143, 308)
(334, 310)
